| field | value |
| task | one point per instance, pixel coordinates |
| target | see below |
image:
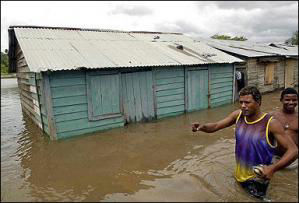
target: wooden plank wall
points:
(261, 79)
(278, 81)
(196, 88)
(256, 75)
(44, 117)
(137, 96)
(279, 74)
(221, 84)
(68, 91)
(293, 65)
(103, 95)
(27, 83)
(296, 72)
(252, 72)
(169, 91)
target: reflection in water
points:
(9, 83)
(156, 161)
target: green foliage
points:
(294, 39)
(4, 69)
(227, 37)
(241, 38)
(4, 63)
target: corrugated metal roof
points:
(66, 49)
(292, 50)
(251, 49)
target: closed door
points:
(197, 90)
(137, 96)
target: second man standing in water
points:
(288, 117)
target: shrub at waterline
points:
(4, 62)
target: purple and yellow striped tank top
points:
(253, 146)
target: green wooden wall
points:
(70, 106)
(137, 96)
(89, 101)
(169, 91)
(220, 84)
(197, 88)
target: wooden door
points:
(197, 90)
(137, 96)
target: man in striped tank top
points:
(257, 135)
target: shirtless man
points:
(288, 117)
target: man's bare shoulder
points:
(275, 113)
(289, 121)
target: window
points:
(103, 95)
(269, 73)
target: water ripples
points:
(156, 161)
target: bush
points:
(4, 69)
(4, 63)
(227, 37)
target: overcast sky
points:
(259, 21)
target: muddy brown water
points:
(156, 161)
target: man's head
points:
(289, 99)
(250, 100)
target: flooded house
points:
(268, 66)
(74, 81)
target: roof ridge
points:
(89, 29)
(65, 28)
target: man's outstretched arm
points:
(213, 127)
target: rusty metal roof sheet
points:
(68, 49)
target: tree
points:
(227, 37)
(294, 39)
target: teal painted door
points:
(197, 90)
(103, 96)
(137, 96)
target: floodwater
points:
(156, 161)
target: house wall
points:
(169, 91)
(292, 65)
(42, 103)
(279, 74)
(221, 84)
(196, 88)
(65, 95)
(252, 72)
(70, 107)
(296, 72)
(137, 95)
(170, 88)
(256, 74)
(29, 84)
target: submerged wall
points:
(80, 102)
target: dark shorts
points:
(255, 188)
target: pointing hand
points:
(195, 126)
